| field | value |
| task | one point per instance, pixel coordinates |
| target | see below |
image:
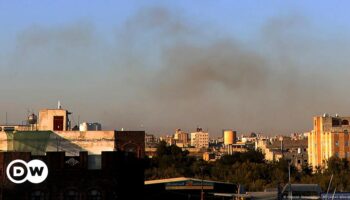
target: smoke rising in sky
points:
(161, 71)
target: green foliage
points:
(246, 168)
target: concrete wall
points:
(72, 142)
(46, 118)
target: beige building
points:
(52, 131)
(328, 138)
(181, 138)
(200, 139)
(53, 120)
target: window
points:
(346, 143)
(346, 132)
(71, 195)
(336, 122)
(94, 195)
(37, 195)
(336, 143)
(336, 154)
(345, 122)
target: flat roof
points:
(170, 180)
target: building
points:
(301, 191)
(169, 139)
(209, 156)
(329, 137)
(54, 120)
(151, 141)
(293, 150)
(131, 141)
(200, 139)
(53, 132)
(181, 138)
(183, 188)
(77, 178)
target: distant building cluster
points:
(293, 148)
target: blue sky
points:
(241, 18)
(146, 65)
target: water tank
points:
(32, 119)
(229, 137)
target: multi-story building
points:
(169, 139)
(151, 141)
(181, 138)
(200, 139)
(328, 138)
(294, 151)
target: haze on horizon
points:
(257, 66)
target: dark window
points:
(9, 128)
(94, 195)
(71, 195)
(345, 122)
(298, 161)
(335, 122)
(37, 195)
(58, 123)
(346, 132)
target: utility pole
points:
(290, 195)
(329, 185)
(202, 192)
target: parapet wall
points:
(72, 142)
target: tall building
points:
(200, 139)
(181, 138)
(329, 138)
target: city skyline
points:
(253, 67)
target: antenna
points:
(6, 118)
(59, 105)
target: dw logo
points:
(35, 171)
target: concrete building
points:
(52, 132)
(151, 141)
(54, 120)
(329, 137)
(294, 151)
(200, 139)
(181, 138)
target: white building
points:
(200, 139)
